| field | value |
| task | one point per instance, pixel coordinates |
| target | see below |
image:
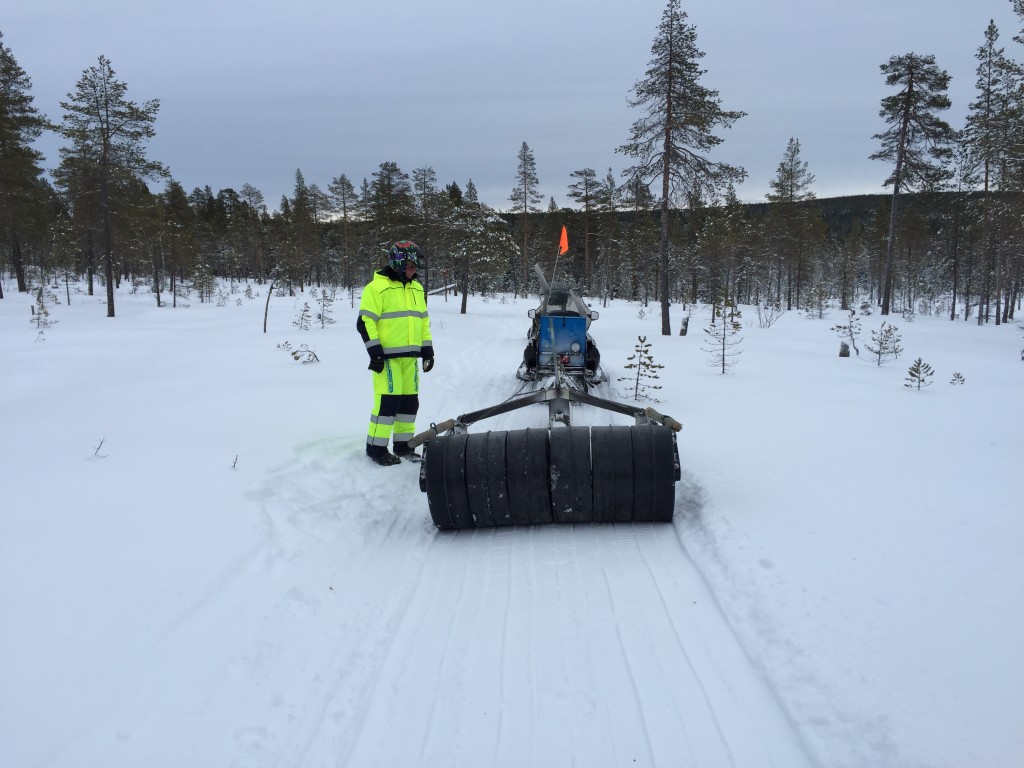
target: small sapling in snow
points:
(646, 370)
(919, 375)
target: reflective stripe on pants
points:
(395, 402)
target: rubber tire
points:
(446, 487)
(565, 475)
(486, 484)
(612, 451)
(571, 475)
(526, 456)
(653, 474)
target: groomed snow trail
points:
(374, 640)
(601, 640)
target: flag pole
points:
(563, 247)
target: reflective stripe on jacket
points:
(393, 318)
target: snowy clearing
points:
(198, 566)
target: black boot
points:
(403, 451)
(383, 458)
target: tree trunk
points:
(266, 307)
(108, 275)
(16, 260)
(955, 267)
(108, 256)
(890, 248)
(465, 283)
(999, 286)
(586, 247)
(666, 322)
(897, 178)
(90, 261)
(526, 256)
(156, 279)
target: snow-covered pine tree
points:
(919, 375)
(885, 343)
(794, 229)
(203, 280)
(524, 199)
(106, 138)
(40, 312)
(816, 301)
(642, 361)
(20, 126)
(303, 319)
(325, 300)
(672, 142)
(917, 142)
(723, 337)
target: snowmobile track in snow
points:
(601, 639)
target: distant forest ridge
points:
(838, 213)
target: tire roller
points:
(562, 474)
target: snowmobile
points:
(559, 337)
(562, 473)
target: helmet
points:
(403, 251)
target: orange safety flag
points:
(563, 243)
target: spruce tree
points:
(41, 312)
(319, 213)
(424, 185)
(326, 302)
(673, 139)
(524, 198)
(609, 248)
(390, 201)
(20, 171)
(640, 240)
(480, 244)
(991, 138)
(454, 193)
(585, 191)
(344, 206)
(722, 333)
(792, 226)
(303, 319)
(919, 375)
(203, 280)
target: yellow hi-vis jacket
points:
(393, 319)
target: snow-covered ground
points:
(199, 567)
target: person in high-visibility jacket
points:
(395, 327)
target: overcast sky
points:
(251, 91)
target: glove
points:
(428, 363)
(376, 364)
